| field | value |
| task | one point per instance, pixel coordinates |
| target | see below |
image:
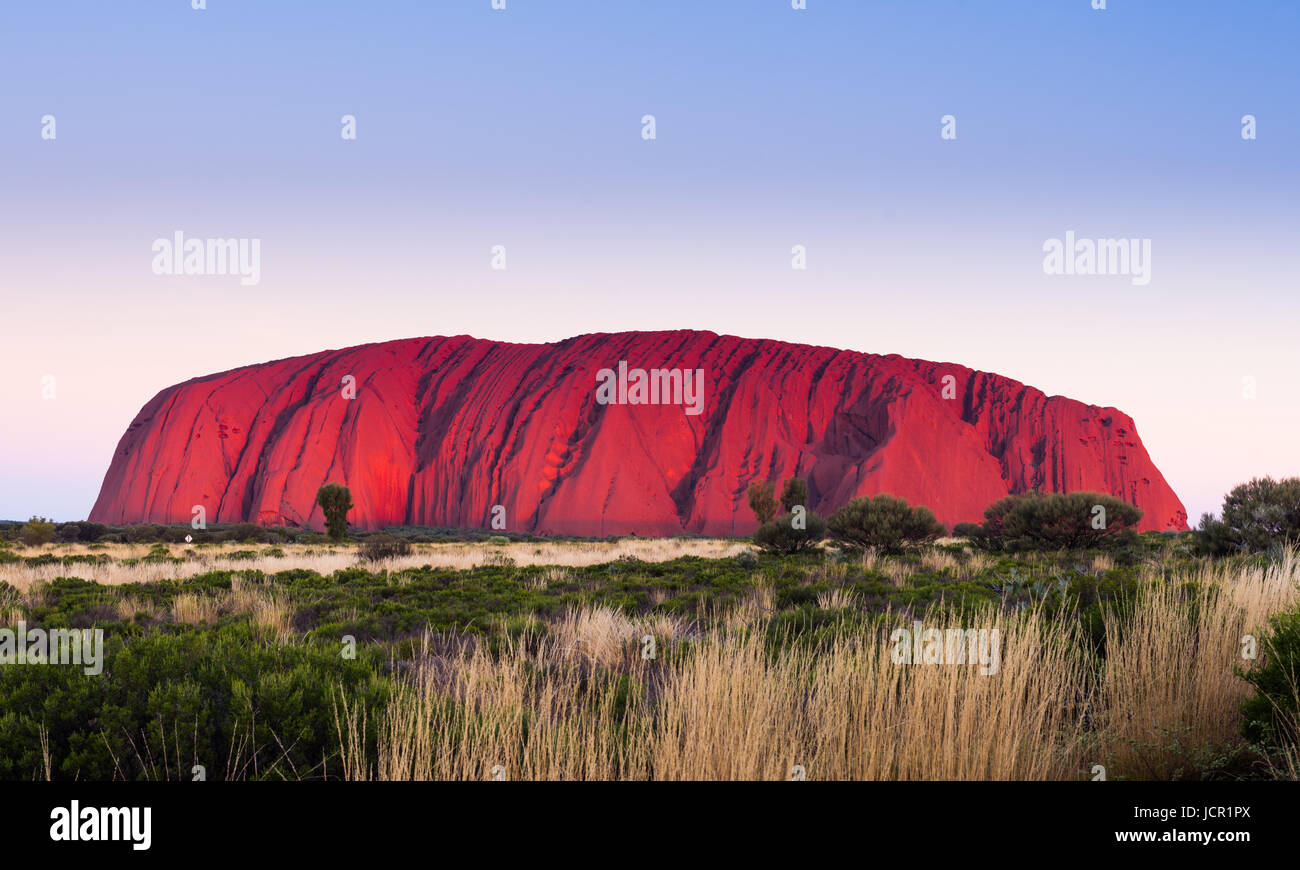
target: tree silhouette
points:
(335, 501)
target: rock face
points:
(438, 431)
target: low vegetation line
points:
(652, 659)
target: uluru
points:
(566, 439)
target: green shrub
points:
(335, 501)
(1272, 716)
(762, 501)
(1256, 516)
(971, 531)
(794, 493)
(780, 535)
(219, 697)
(244, 533)
(157, 553)
(91, 532)
(884, 522)
(384, 546)
(1213, 537)
(177, 534)
(1056, 521)
(143, 534)
(36, 531)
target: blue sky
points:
(775, 127)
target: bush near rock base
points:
(1036, 521)
(883, 522)
(780, 535)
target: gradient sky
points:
(774, 128)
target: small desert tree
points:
(790, 534)
(762, 501)
(884, 522)
(1256, 516)
(381, 546)
(1059, 520)
(36, 531)
(335, 501)
(794, 493)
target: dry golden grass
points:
(896, 571)
(126, 607)
(269, 612)
(604, 636)
(835, 599)
(1168, 692)
(1101, 563)
(755, 608)
(37, 594)
(964, 567)
(973, 564)
(828, 571)
(870, 559)
(328, 559)
(517, 715)
(547, 576)
(729, 710)
(11, 607)
(194, 609)
(726, 708)
(940, 560)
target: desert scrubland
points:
(651, 659)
